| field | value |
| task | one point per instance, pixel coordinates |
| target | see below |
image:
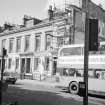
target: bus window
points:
(102, 49)
(68, 72)
(71, 51)
(78, 74)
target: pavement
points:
(53, 84)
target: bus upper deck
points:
(72, 56)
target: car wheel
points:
(73, 88)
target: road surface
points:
(35, 94)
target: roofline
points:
(25, 29)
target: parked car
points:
(9, 77)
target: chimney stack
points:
(50, 13)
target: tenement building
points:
(32, 47)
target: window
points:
(71, 51)
(38, 42)
(17, 63)
(36, 63)
(9, 63)
(5, 63)
(0, 64)
(28, 61)
(18, 44)
(48, 41)
(27, 42)
(102, 48)
(11, 45)
(47, 63)
(60, 41)
(3, 43)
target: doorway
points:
(23, 65)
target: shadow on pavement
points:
(97, 96)
(91, 94)
(36, 97)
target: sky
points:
(13, 11)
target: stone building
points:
(32, 47)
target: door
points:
(23, 65)
(54, 67)
(28, 61)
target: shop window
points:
(47, 63)
(36, 63)
(9, 63)
(17, 63)
(0, 64)
(28, 61)
(23, 65)
(5, 63)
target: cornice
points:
(25, 29)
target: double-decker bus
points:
(70, 65)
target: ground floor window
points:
(9, 63)
(28, 62)
(5, 63)
(54, 67)
(0, 64)
(36, 63)
(25, 65)
(17, 63)
(47, 64)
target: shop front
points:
(37, 66)
(42, 65)
(26, 66)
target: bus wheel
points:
(73, 88)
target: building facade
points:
(32, 47)
(27, 48)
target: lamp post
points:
(86, 50)
(4, 53)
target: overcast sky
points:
(13, 10)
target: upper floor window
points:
(18, 44)
(3, 43)
(11, 44)
(38, 42)
(48, 41)
(27, 42)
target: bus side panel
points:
(96, 84)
